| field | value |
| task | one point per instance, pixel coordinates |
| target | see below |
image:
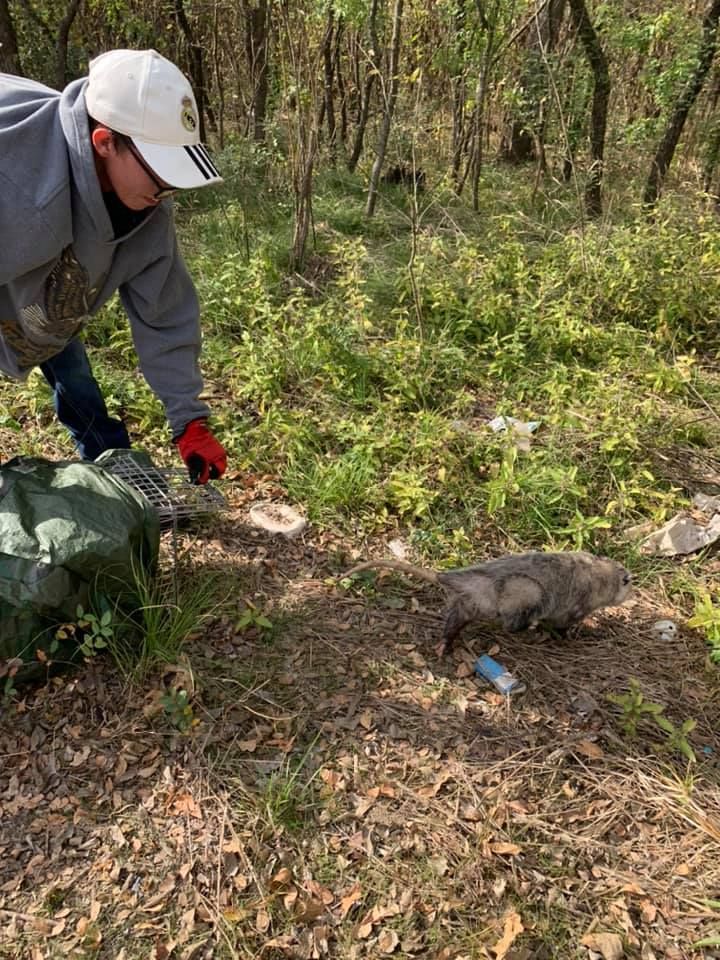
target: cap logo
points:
(187, 115)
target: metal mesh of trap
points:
(168, 489)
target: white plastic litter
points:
(681, 535)
(399, 549)
(664, 629)
(519, 426)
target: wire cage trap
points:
(176, 500)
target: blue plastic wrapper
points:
(496, 674)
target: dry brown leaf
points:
(648, 911)
(512, 929)
(284, 942)
(282, 878)
(347, 902)
(319, 892)
(366, 719)
(634, 889)
(333, 779)
(589, 749)
(364, 928)
(319, 942)
(184, 803)
(262, 920)
(308, 910)
(432, 789)
(608, 945)
(187, 925)
(682, 870)
(504, 849)
(363, 805)
(388, 941)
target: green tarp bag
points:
(70, 533)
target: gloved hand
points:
(204, 457)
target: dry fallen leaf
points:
(282, 878)
(513, 928)
(363, 805)
(589, 749)
(308, 910)
(432, 790)
(262, 920)
(388, 941)
(347, 902)
(364, 928)
(504, 849)
(184, 803)
(608, 945)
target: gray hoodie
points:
(59, 259)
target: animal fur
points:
(520, 591)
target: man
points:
(85, 181)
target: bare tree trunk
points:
(9, 55)
(300, 65)
(341, 83)
(459, 96)
(478, 133)
(328, 76)
(371, 68)
(197, 68)
(601, 79)
(219, 82)
(257, 32)
(488, 24)
(525, 133)
(394, 84)
(303, 199)
(666, 148)
(61, 46)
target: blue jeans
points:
(79, 404)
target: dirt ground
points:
(346, 793)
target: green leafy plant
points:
(94, 631)
(252, 617)
(676, 740)
(97, 631)
(178, 709)
(634, 707)
(707, 619)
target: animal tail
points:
(429, 575)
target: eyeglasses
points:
(162, 193)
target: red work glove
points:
(203, 455)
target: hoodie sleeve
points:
(162, 305)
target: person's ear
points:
(103, 141)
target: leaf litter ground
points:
(345, 793)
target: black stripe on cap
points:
(202, 161)
(212, 166)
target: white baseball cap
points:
(143, 95)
